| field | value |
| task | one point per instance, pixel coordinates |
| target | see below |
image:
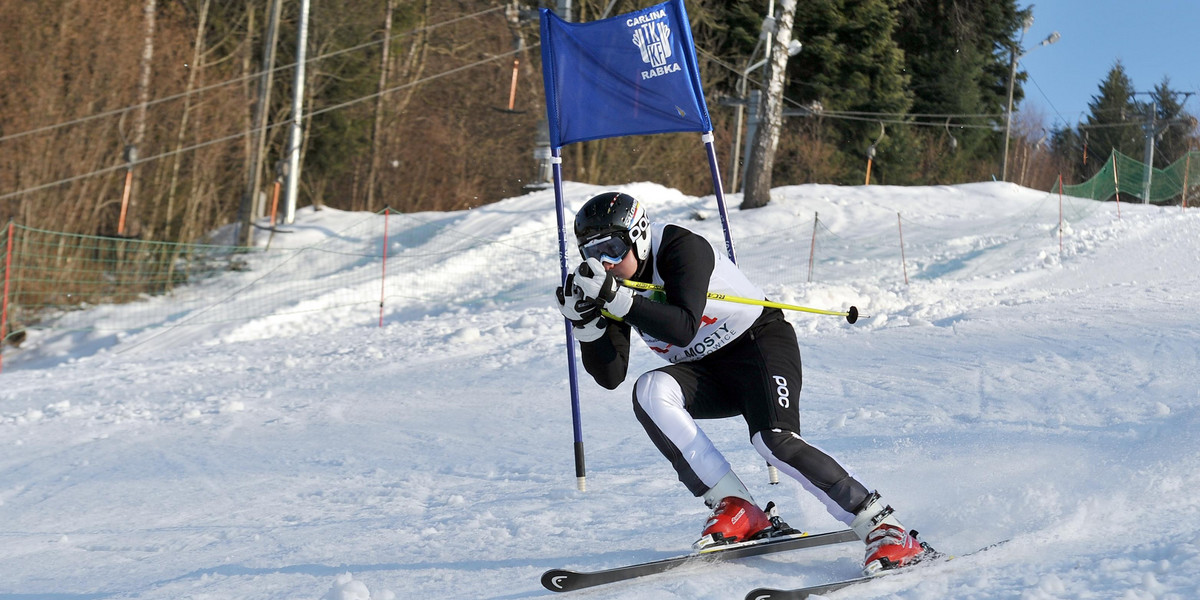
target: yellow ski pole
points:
(851, 315)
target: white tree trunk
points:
(766, 137)
(149, 11)
(377, 127)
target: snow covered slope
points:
(1009, 390)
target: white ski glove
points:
(590, 331)
(576, 308)
(587, 324)
(601, 287)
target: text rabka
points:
(657, 71)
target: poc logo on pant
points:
(782, 390)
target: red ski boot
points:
(889, 544)
(891, 547)
(734, 519)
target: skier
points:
(726, 359)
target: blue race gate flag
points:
(633, 74)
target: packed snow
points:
(262, 435)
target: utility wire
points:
(864, 116)
(894, 117)
(831, 114)
(1045, 97)
(242, 134)
(117, 111)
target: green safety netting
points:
(1128, 176)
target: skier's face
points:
(624, 269)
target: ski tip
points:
(558, 580)
(763, 594)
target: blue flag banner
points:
(633, 74)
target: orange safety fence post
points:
(1187, 167)
(383, 279)
(512, 92)
(274, 202)
(1060, 215)
(812, 251)
(1117, 184)
(125, 201)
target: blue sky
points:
(1151, 38)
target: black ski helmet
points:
(609, 221)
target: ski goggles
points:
(610, 248)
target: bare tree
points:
(149, 11)
(766, 137)
(197, 58)
(376, 130)
(261, 111)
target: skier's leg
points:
(771, 403)
(819, 473)
(661, 407)
(774, 421)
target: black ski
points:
(825, 588)
(805, 592)
(562, 580)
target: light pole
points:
(1012, 76)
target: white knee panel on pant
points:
(662, 399)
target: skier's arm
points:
(607, 358)
(685, 262)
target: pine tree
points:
(958, 53)
(1115, 120)
(851, 63)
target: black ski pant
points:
(758, 376)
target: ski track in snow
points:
(1008, 391)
